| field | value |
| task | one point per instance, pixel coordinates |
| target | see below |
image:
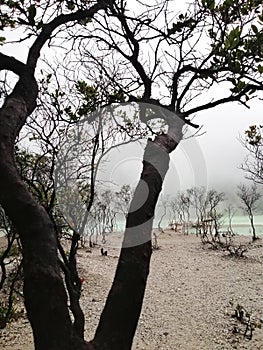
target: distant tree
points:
(106, 213)
(163, 205)
(213, 199)
(185, 200)
(198, 202)
(249, 195)
(123, 198)
(180, 207)
(253, 163)
(230, 211)
(173, 210)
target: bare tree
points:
(163, 204)
(213, 199)
(198, 202)
(180, 207)
(253, 163)
(230, 210)
(173, 205)
(185, 203)
(249, 195)
(123, 199)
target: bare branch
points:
(48, 28)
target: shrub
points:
(9, 314)
(245, 321)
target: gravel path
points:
(186, 305)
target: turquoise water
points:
(240, 224)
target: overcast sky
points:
(212, 159)
(221, 146)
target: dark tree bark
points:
(45, 296)
(44, 290)
(251, 218)
(120, 316)
(75, 288)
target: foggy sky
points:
(210, 160)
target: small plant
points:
(11, 293)
(8, 314)
(12, 252)
(246, 321)
(155, 245)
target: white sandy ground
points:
(186, 305)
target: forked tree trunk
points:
(44, 291)
(121, 313)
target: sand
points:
(186, 305)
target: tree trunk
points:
(44, 291)
(251, 218)
(121, 313)
(74, 289)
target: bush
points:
(245, 322)
(227, 242)
(14, 251)
(9, 314)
